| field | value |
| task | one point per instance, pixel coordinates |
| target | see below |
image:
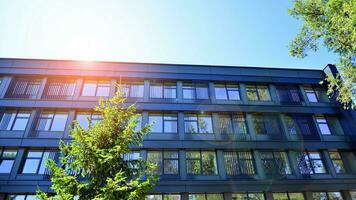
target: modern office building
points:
(221, 132)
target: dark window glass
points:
(198, 123)
(311, 163)
(327, 196)
(84, 118)
(35, 161)
(21, 197)
(201, 162)
(258, 93)
(96, 88)
(52, 121)
(337, 162)
(265, 124)
(7, 159)
(316, 94)
(288, 196)
(275, 162)
(208, 196)
(24, 88)
(323, 125)
(237, 163)
(163, 197)
(288, 95)
(302, 125)
(14, 120)
(57, 89)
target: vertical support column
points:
(2, 196)
(308, 195)
(212, 92)
(243, 93)
(42, 88)
(146, 90)
(227, 196)
(179, 91)
(5, 85)
(215, 118)
(259, 169)
(283, 126)
(78, 88)
(69, 124)
(328, 163)
(273, 92)
(292, 155)
(269, 196)
(182, 164)
(303, 95)
(17, 163)
(144, 118)
(220, 163)
(346, 195)
(250, 128)
(31, 122)
(181, 125)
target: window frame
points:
(163, 159)
(54, 112)
(238, 157)
(162, 116)
(339, 158)
(17, 112)
(234, 121)
(91, 114)
(98, 83)
(128, 86)
(31, 82)
(200, 160)
(255, 89)
(276, 164)
(227, 90)
(198, 117)
(7, 158)
(206, 195)
(310, 163)
(193, 89)
(52, 154)
(321, 120)
(247, 195)
(62, 91)
(288, 194)
(164, 86)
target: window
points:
(166, 161)
(311, 163)
(227, 91)
(14, 120)
(163, 197)
(353, 195)
(258, 93)
(275, 162)
(166, 90)
(316, 94)
(237, 163)
(21, 197)
(164, 123)
(288, 196)
(201, 163)
(35, 162)
(201, 123)
(265, 124)
(93, 88)
(83, 117)
(7, 159)
(288, 95)
(302, 125)
(133, 89)
(234, 123)
(248, 196)
(327, 196)
(59, 89)
(24, 88)
(195, 90)
(132, 158)
(208, 196)
(52, 121)
(323, 125)
(337, 162)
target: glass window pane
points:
(154, 197)
(171, 197)
(318, 166)
(31, 166)
(157, 120)
(234, 95)
(170, 166)
(43, 167)
(82, 119)
(202, 91)
(7, 120)
(214, 197)
(220, 91)
(280, 196)
(89, 88)
(188, 93)
(137, 90)
(59, 122)
(197, 197)
(296, 196)
(103, 91)
(16, 197)
(256, 196)
(251, 92)
(6, 166)
(156, 90)
(225, 124)
(156, 158)
(263, 93)
(205, 124)
(324, 129)
(170, 90)
(335, 196)
(20, 124)
(209, 163)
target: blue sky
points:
(213, 32)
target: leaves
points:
(332, 23)
(93, 164)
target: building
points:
(221, 133)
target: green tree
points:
(93, 165)
(333, 24)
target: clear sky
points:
(221, 32)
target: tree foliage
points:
(93, 165)
(333, 24)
